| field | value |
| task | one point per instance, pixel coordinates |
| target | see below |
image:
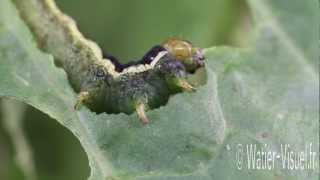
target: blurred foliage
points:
(57, 153)
(126, 29)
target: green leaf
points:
(269, 93)
(261, 95)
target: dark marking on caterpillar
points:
(146, 59)
(103, 83)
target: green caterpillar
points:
(103, 83)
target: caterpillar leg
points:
(185, 85)
(82, 97)
(141, 112)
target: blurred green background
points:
(126, 29)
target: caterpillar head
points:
(192, 57)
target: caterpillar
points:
(103, 83)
